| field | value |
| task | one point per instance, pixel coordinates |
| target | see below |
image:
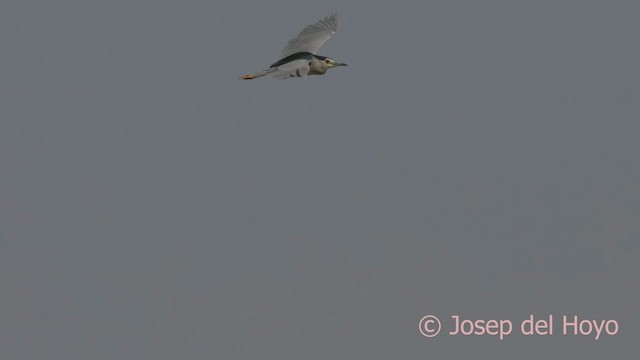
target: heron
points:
(299, 58)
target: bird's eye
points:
(327, 61)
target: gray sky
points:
(476, 158)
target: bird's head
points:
(330, 63)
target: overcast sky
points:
(477, 158)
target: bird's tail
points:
(256, 75)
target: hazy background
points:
(476, 157)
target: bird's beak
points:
(341, 64)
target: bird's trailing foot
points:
(256, 75)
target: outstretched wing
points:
(296, 68)
(312, 37)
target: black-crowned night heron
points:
(299, 57)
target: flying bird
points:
(299, 58)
